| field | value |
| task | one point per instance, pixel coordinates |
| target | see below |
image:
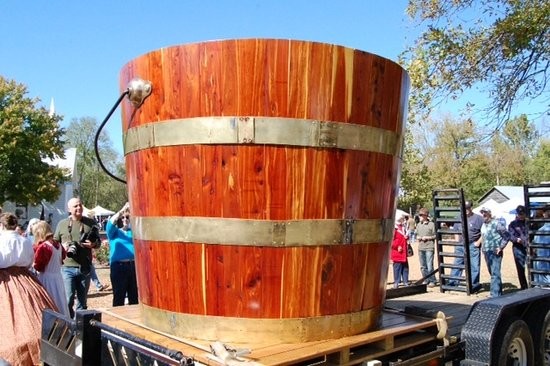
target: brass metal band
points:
(292, 330)
(261, 130)
(231, 231)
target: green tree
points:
(95, 186)
(500, 160)
(477, 178)
(538, 167)
(498, 44)
(512, 148)
(28, 138)
(521, 134)
(454, 145)
(455, 157)
(414, 185)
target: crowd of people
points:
(45, 269)
(487, 236)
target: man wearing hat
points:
(518, 237)
(425, 231)
(494, 238)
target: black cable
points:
(126, 92)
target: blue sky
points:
(73, 51)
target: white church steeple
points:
(52, 108)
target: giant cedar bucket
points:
(262, 177)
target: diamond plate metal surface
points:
(478, 331)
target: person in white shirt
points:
(22, 297)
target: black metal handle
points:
(126, 92)
(138, 90)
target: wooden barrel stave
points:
(243, 182)
(336, 286)
(241, 280)
(361, 86)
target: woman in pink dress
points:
(22, 297)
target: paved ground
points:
(104, 299)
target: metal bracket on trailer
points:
(87, 341)
(438, 316)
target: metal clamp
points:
(226, 354)
(138, 91)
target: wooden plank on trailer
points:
(397, 331)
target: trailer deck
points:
(455, 305)
(398, 331)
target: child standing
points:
(399, 254)
(48, 257)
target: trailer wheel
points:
(543, 341)
(538, 320)
(514, 344)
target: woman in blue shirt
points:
(121, 258)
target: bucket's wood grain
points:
(250, 181)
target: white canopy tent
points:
(100, 211)
(97, 211)
(85, 211)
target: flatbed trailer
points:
(416, 327)
(431, 327)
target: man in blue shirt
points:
(542, 238)
(121, 258)
(475, 222)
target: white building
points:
(503, 200)
(57, 209)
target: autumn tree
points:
(415, 185)
(499, 160)
(453, 153)
(521, 134)
(513, 147)
(500, 46)
(95, 186)
(29, 137)
(456, 157)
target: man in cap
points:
(518, 237)
(494, 238)
(425, 231)
(475, 222)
